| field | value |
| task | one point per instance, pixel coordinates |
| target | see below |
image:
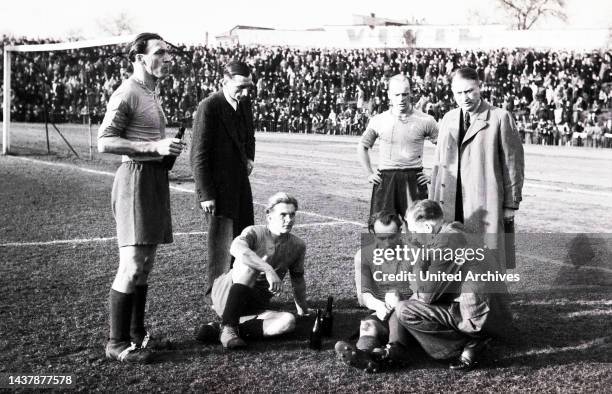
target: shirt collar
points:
(230, 100)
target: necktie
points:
(464, 126)
(466, 121)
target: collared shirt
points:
(401, 141)
(134, 113)
(285, 252)
(451, 237)
(231, 101)
(375, 278)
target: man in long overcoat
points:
(478, 167)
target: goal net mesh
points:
(59, 93)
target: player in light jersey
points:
(399, 180)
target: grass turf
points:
(53, 314)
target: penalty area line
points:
(564, 264)
(588, 345)
(76, 241)
(173, 187)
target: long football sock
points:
(120, 316)
(137, 328)
(237, 299)
(252, 329)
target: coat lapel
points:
(479, 123)
(453, 121)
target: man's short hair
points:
(425, 210)
(139, 45)
(386, 218)
(399, 78)
(280, 198)
(235, 67)
(467, 73)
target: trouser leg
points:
(397, 333)
(220, 236)
(433, 327)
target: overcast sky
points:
(188, 21)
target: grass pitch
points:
(58, 257)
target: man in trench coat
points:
(478, 168)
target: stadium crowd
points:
(557, 98)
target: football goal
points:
(32, 71)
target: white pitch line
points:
(320, 224)
(569, 189)
(564, 301)
(527, 184)
(558, 262)
(106, 239)
(180, 234)
(335, 219)
(58, 242)
(590, 313)
(82, 240)
(173, 187)
(307, 213)
(63, 165)
(552, 350)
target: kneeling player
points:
(444, 315)
(380, 286)
(263, 256)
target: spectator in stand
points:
(294, 84)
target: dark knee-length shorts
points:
(397, 191)
(141, 204)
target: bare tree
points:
(117, 25)
(527, 12)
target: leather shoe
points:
(354, 357)
(392, 353)
(230, 339)
(469, 356)
(208, 333)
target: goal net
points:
(54, 94)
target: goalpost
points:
(62, 46)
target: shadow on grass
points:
(551, 328)
(558, 327)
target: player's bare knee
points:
(366, 327)
(243, 274)
(287, 322)
(281, 323)
(284, 322)
(133, 274)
